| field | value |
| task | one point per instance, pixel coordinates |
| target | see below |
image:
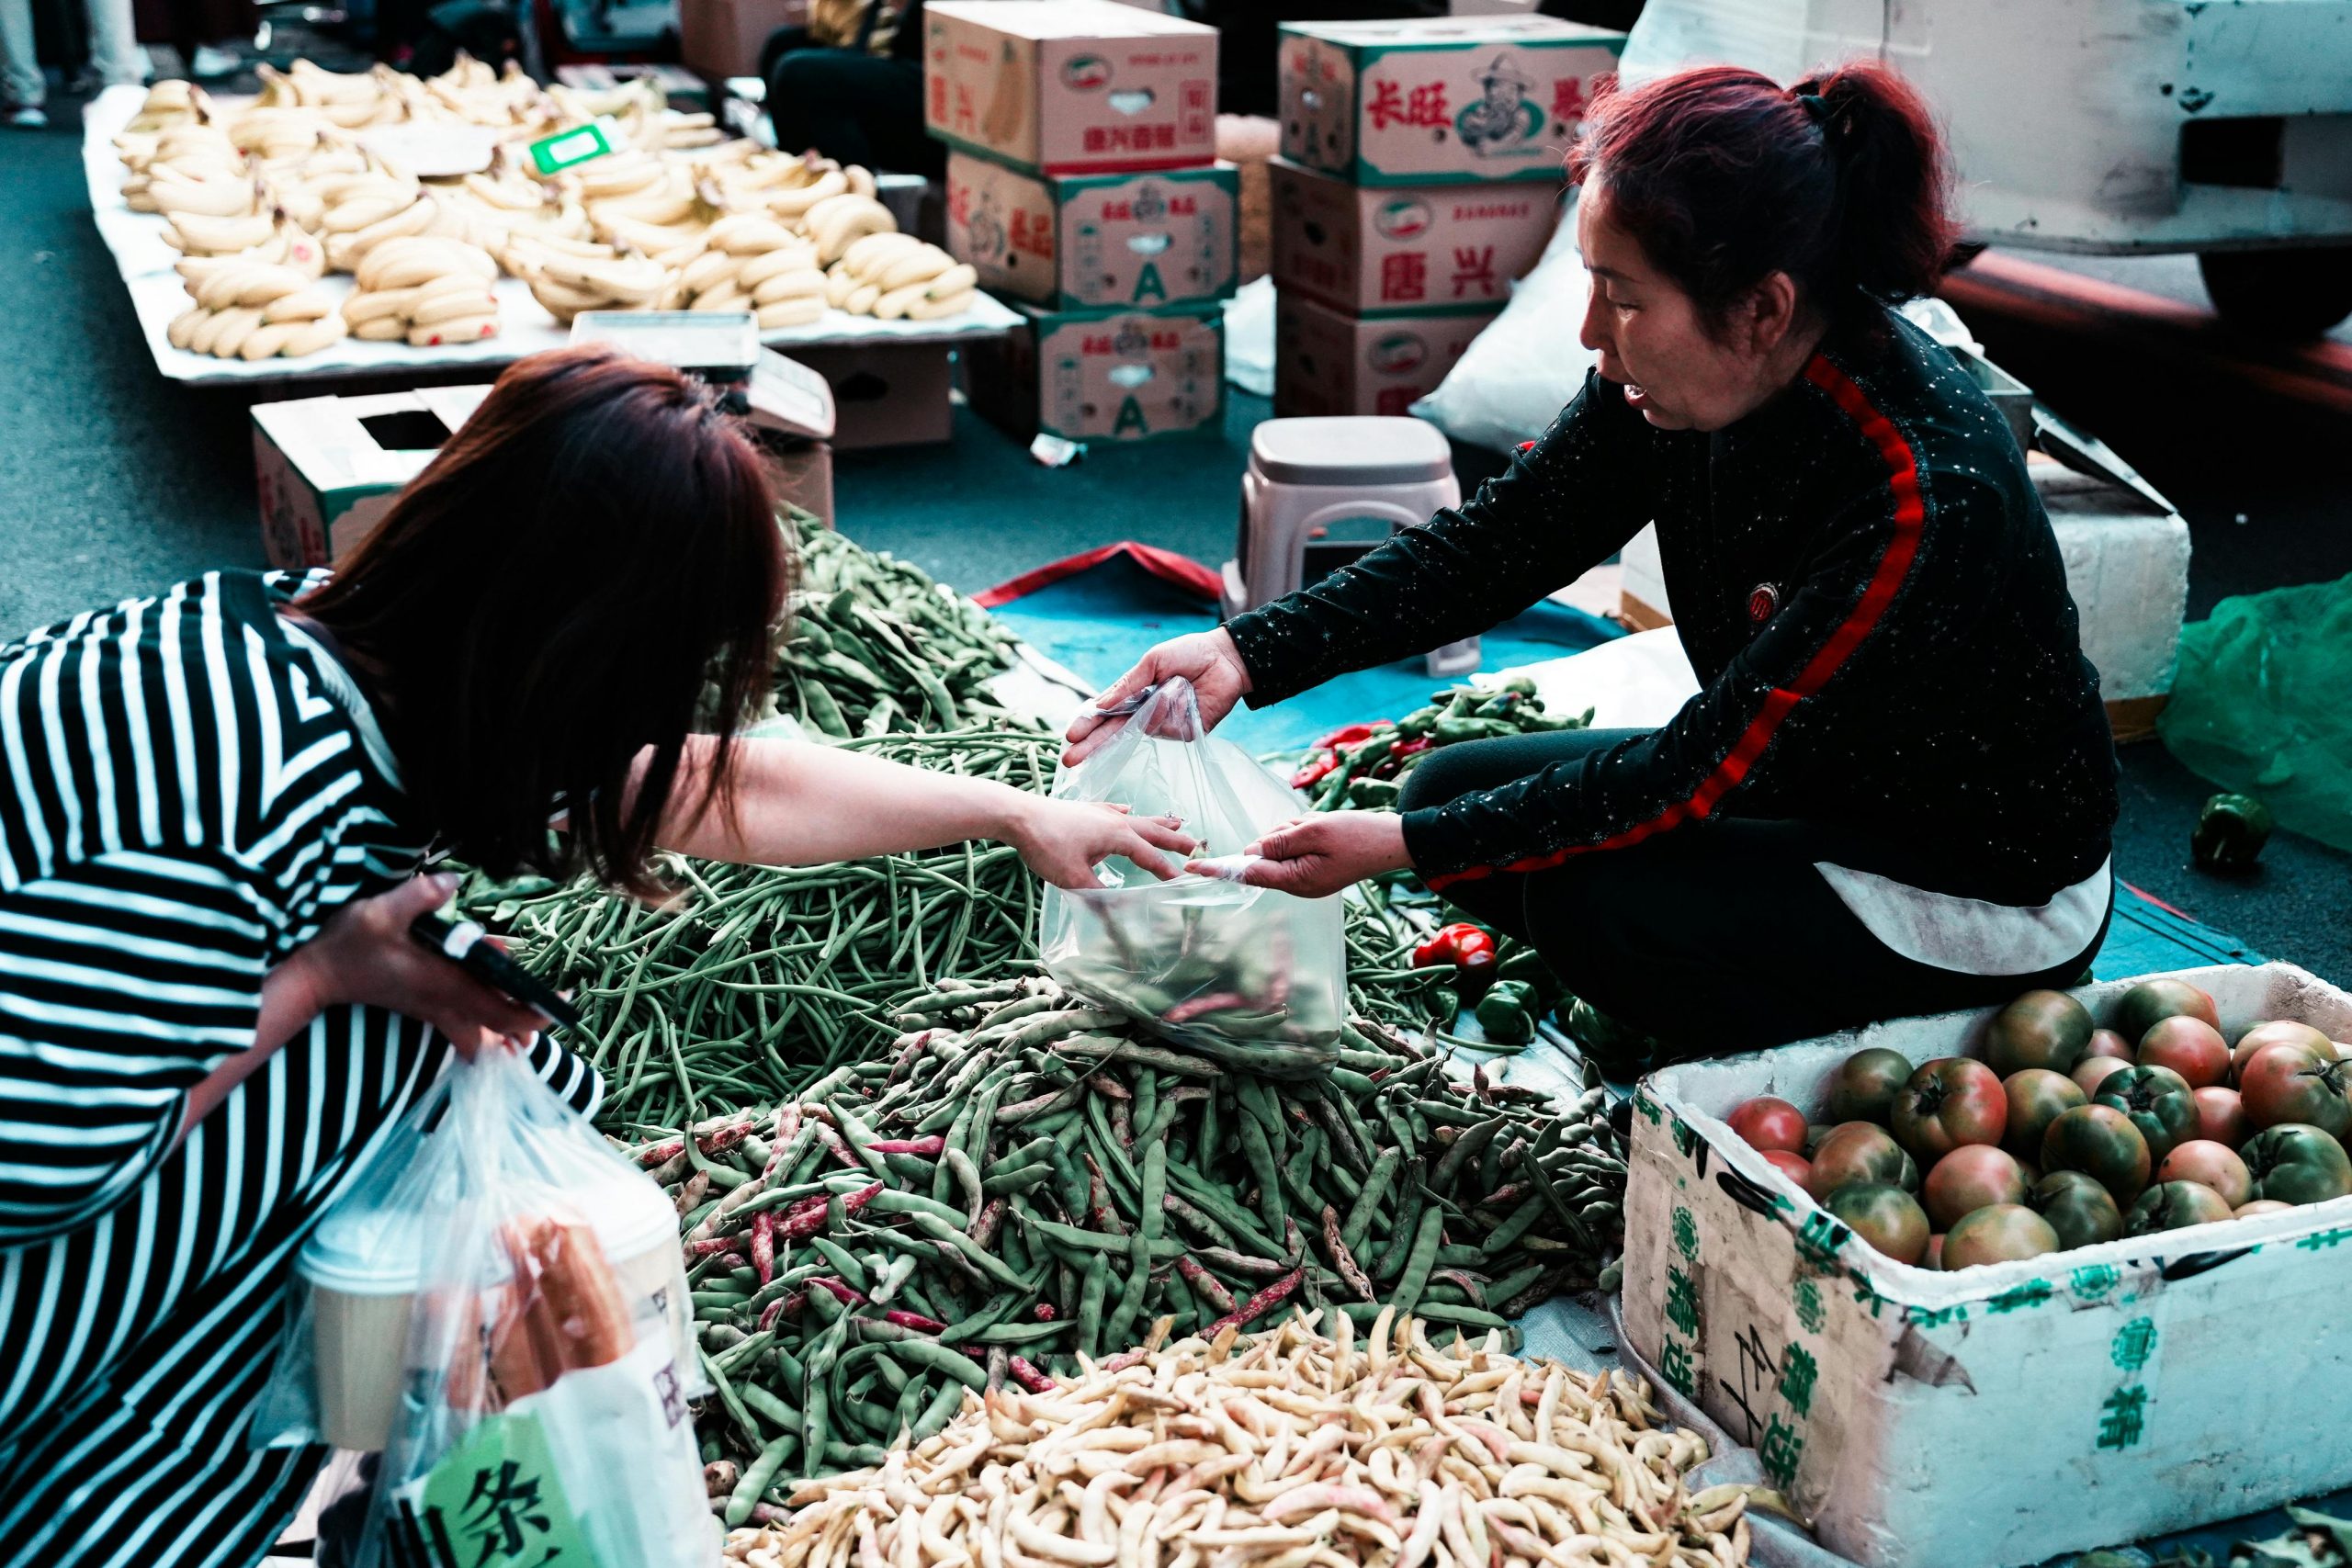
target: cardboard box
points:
(1375, 250)
(2005, 1413)
(1104, 375)
(328, 468)
(1327, 362)
(887, 394)
(723, 38)
(1464, 100)
(1070, 86)
(1092, 241)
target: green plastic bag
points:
(2258, 704)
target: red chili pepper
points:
(1454, 944)
(1349, 734)
(1318, 766)
(1412, 747)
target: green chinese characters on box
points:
(1440, 100)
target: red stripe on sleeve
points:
(1886, 580)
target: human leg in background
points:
(1717, 936)
(21, 87)
(115, 55)
(857, 108)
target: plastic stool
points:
(1321, 492)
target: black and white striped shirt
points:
(184, 801)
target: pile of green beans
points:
(876, 647)
(1022, 1179)
(756, 979)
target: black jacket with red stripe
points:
(1866, 584)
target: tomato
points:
(2035, 1097)
(2297, 1164)
(1971, 1178)
(1886, 1217)
(2209, 1165)
(1998, 1234)
(2077, 1208)
(2159, 1102)
(1862, 1089)
(2280, 1032)
(2106, 1042)
(2220, 1116)
(2093, 1071)
(2286, 1083)
(2190, 1046)
(1765, 1122)
(1813, 1133)
(2150, 1002)
(1948, 1102)
(2175, 1205)
(1796, 1167)
(1934, 1256)
(2041, 1029)
(2262, 1206)
(2100, 1141)
(1855, 1151)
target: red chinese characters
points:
(1474, 272)
(1423, 105)
(1405, 276)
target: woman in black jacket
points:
(1896, 790)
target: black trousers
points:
(851, 106)
(1718, 936)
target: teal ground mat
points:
(2148, 935)
(1098, 612)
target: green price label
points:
(494, 1501)
(569, 148)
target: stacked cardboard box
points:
(1082, 186)
(1421, 172)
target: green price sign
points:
(569, 148)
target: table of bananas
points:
(284, 226)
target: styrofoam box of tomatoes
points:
(2004, 1413)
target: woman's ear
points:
(1771, 314)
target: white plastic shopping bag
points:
(1245, 975)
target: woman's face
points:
(1651, 338)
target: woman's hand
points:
(1063, 840)
(1316, 856)
(364, 955)
(1208, 660)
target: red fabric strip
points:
(1886, 580)
(1167, 565)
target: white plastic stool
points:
(1321, 492)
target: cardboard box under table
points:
(1070, 86)
(2004, 1413)
(1327, 362)
(1370, 250)
(1444, 99)
(1104, 375)
(723, 38)
(1094, 242)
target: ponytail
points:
(1724, 178)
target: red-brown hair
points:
(1724, 178)
(590, 567)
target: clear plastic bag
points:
(1247, 975)
(503, 1298)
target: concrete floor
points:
(114, 482)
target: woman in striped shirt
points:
(213, 806)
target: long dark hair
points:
(592, 566)
(1724, 178)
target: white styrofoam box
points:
(1644, 576)
(2002, 1414)
(2127, 565)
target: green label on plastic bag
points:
(495, 1502)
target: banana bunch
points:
(580, 105)
(275, 134)
(893, 277)
(255, 309)
(349, 99)
(167, 105)
(836, 223)
(424, 291)
(787, 188)
(214, 183)
(304, 180)
(669, 220)
(571, 276)
(473, 92)
(488, 210)
(675, 130)
(208, 234)
(358, 213)
(287, 245)
(753, 262)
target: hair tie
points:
(1813, 105)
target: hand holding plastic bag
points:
(1245, 975)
